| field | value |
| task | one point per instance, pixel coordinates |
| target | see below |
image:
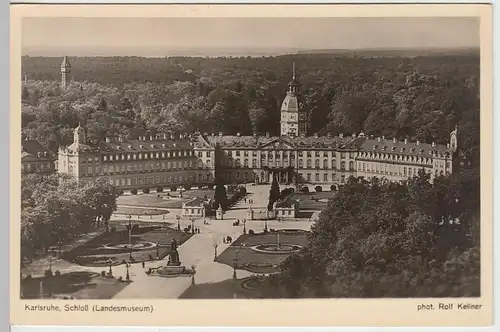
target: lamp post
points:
(178, 222)
(235, 263)
(244, 226)
(130, 236)
(158, 250)
(192, 225)
(265, 225)
(110, 262)
(278, 239)
(50, 262)
(127, 277)
(215, 251)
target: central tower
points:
(65, 71)
(293, 114)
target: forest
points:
(420, 97)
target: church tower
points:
(65, 71)
(293, 115)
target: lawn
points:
(139, 211)
(261, 262)
(227, 289)
(99, 250)
(165, 200)
(311, 201)
(78, 285)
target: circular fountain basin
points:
(136, 246)
(274, 248)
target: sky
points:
(186, 36)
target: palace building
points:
(293, 157)
(36, 158)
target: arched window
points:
(351, 165)
(325, 163)
(316, 163)
(300, 163)
(254, 163)
(309, 163)
(245, 162)
(208, 162)
(342, 165)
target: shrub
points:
(120, 278)
(159, 189)
(103, 273)
(58, 273)
(305, 189)
(187, 186)
(173, 188)
(251, 232)
(145, 190)
(150, 257)
(135, 228)
(113, 229)
(121, 193)
(133, 191)
(124, 262)
(333, 187)
(28, 277)
(132, 259)
(318, 189)
(48, 273)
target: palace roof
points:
(280, 142)
(146, 145)
(32, 150)
(381, 145)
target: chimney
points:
(238, 134)
(341, 135)
(406, 140)
(172, 137)
(254, 134)
(220, 133)
(120, 138)
(316, 135)
(150, 137)
(108, 140)
(213, 134)
(267, 135)
(394, 140)
(433, 144)
(383, 138)
(379, 139)
(448, 145)
(353, 135)
(418, 142)
(328, 134)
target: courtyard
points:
(172, 200)
(149, 241)
(263, 252)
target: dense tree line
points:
(417, 98)
(383, 239)
(55, 209)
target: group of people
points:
(227, 239)
(250, 201)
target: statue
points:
(174, 254)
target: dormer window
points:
(374, 147)
(402, 149)
(141, 146)
(421, 150)
(175, 145)
(130, 146)
(393, 148)
(164, 145)
(384, 148)
(152, 146)
(118, 147)
(412, 150)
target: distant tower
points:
(293, 116)
(79, 135)
(454, 139)
(65, 71)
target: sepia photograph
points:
(251, 158)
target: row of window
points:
(326, 165)
(37, 166)
(279, 154)
(391, 169)
(148, 167)
(144, 155)
(161, 179)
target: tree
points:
(220, 195)
(274, 193)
